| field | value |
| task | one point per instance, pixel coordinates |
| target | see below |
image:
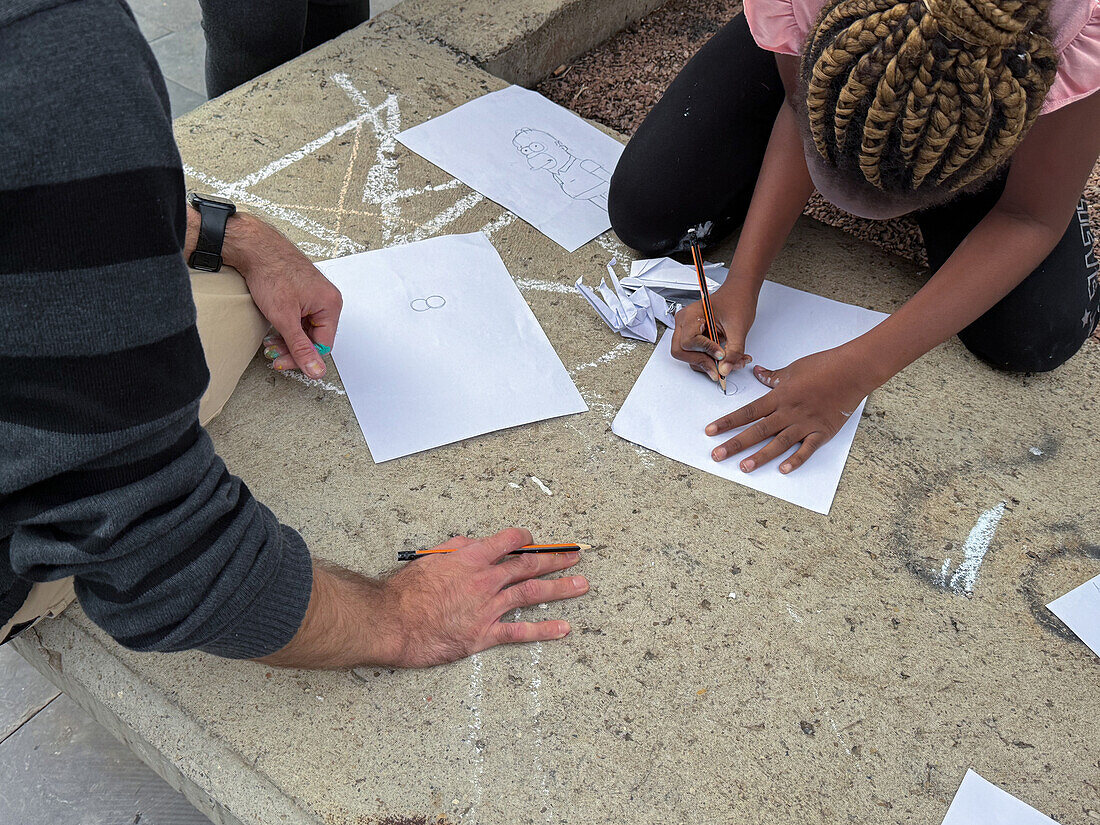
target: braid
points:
(914, 95)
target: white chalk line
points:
(535, 285)
(315, 383)
(475, 732)
(974, 550)
(607, 357)
(317, 230)
(825, 710)
(536, 707)
(502, 220)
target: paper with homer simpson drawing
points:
(437, 345)
(531, 156)
(671, 404)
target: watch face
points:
(213, 200)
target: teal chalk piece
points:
(322, 349)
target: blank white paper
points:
(436, 344)
(1080, 610)
(980, 802)
(671, 404)
(531, 156)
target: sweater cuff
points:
(277, 611)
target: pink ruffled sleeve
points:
(1079, 59)
(775, 26)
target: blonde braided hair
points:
(920, 95)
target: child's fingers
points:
(810, 444)
(700, 343)
(701, 363)
(783, 441)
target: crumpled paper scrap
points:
(632, 315)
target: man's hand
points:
(810, 401)
(300, 302)
(435, 610)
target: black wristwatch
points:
(214, 212)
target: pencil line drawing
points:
(581, 179)
(431, 302)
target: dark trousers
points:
(696, 158)
(245, 38)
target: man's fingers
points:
(532, 565)
(494, 548)
(506, 633)
(284, 362)
(304, 353)
(783, 441)
(810, 445)
(538, 591)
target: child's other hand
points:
(734, 311)
(809, 402)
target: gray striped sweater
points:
(105, 473)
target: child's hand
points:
(734, 311)
(809, 403)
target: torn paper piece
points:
(1080, 610)
(632, 315)
(980, 802)
(672, 280)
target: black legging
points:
(245, 38)
(696, 158)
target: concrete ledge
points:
(522, 42)
(82, 662)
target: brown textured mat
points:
(619, 81)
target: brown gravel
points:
(619, 81)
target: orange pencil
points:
(708, 315)
(409, 555)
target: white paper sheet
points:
(673, 280)
(529, 155)
(670, 403)
(980, 802)
(1080, 610)
(436, 344)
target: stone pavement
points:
(738, 659)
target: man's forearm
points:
(346, 625)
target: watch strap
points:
(208, 249)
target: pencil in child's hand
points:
(410, 555)
(704, 294)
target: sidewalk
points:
(174, 31)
